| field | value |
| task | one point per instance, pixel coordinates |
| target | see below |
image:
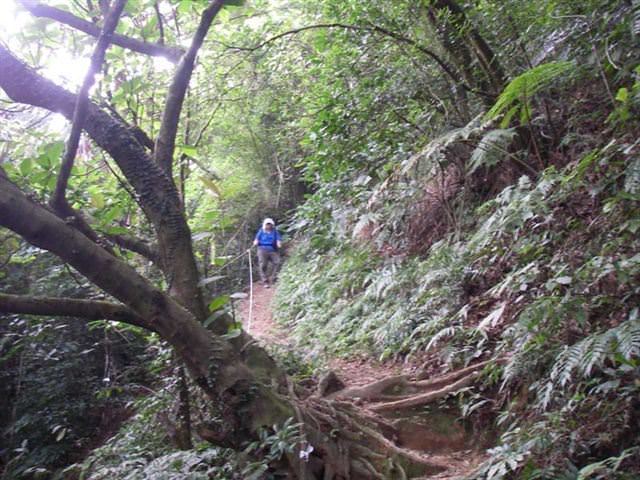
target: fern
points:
(517, 94)
(591, 353)
(607, 467)
(632, 176)
(635, 23)
(434, 151)
(492, 148)
(444, 333)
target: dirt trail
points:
(363, 379)
(353, 372)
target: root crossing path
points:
(400, 398)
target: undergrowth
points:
(545, 274)
(140, 451)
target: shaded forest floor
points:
(455, 451)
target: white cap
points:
(268, 220)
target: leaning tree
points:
(245, 387)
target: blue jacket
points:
(268, 240)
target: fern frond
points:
(524, 86)
(592, 352)
(632, 176)
(436, 147)
(628, 336)
(492, 148)
(444, 333)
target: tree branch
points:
(58, 200)
(158, 311)
(449, 70)
(156, 192)
(160, 22)
(39, 10)
(69, 307)
(136, 245)
(165, 142)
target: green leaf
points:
(219, 261)
(59, 431)
(211, 186)
(97, 200)
(26, 166)
(622, 95)
(219, 302)
(564, 280)
(185, 6)
(189, 150)
(53, 151)
(233, 333)
(208, 280)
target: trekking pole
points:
(250, 292)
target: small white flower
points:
(305, 452)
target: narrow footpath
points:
(368, 384)
(354, 372)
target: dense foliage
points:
(465, 177)
(512, 235)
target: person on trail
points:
(268, 242)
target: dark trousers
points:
(268, 264)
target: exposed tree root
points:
(357, 443)
(399, 392)
(373, 391)
(450, 377)
(379, 431)
(352, 445)
(424, 398)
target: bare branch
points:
(39, 10)
(160, 22)
(136, 245)
(69, 307)
(165, 142)
(58, 200)
(448, 69)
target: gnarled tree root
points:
(400, 389)
(412, 401)
(352, 446)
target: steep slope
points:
(465, 255)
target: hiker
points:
(268, 242)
